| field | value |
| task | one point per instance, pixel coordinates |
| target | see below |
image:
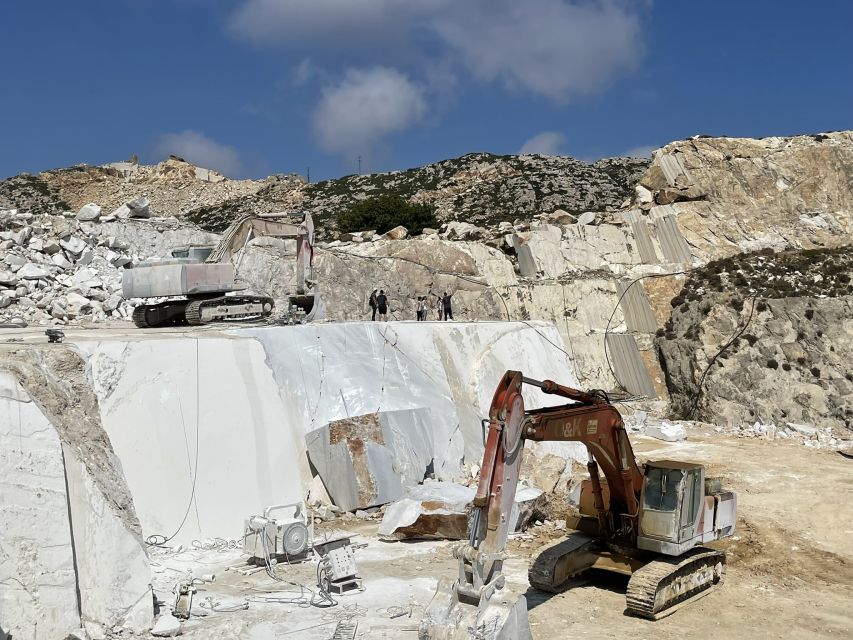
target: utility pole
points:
(359, 165)
(309, 175)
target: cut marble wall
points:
(198, 425)
(262, 390)
(38, 590)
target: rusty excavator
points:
(650, 523)
(201, 281)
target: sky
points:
(255, 87)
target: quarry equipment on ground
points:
(648, 524)
(202, 275)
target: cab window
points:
(661, 489)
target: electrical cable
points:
(737, 334)
(158, 539)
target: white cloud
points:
(354, 115)
(644, 151)
(197, 148)
(547, 143)
(561, 49)
(558, 49)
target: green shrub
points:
(383, 213)
(772, 364)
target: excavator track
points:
(164, 314)
(664, 585)
(140, 317)
(217, 309)
(561, 561)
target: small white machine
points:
(290, 536)
(337, 570)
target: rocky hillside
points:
(480, 188)
(539, 238)
(769, 337)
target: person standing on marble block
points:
(448, 309)
(373, 304)
(382, 305)
(422, 308)
(440, 308)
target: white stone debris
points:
(167, 626)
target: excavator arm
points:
(591, 419)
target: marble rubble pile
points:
(59, 269)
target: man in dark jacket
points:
(448, 310)
(382, 305)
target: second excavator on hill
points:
(201, 284)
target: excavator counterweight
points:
(648, 522)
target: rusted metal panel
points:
(672, 243)
(628, 364)
(636, 307)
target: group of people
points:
(443, 305)
(379, 302)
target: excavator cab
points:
(680, 510)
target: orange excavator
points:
(649, 523)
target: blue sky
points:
(253, 87)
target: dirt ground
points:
(790, 568)
(790, 562)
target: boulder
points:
(665, 430)
(139, 207)
(32, 272)
(85, 257)
(121, 212)
(5, 300)
(526, 499)
(397, 233)
(167, 626)
(8, 278)
(438, 510)
(89, 213)
(61, 261)
(587, 217)
(366, 460)
(463, 231)
(36, 244)
(51, 247)
(15, 261)
(22, 237)
(643, 197)
(73, 245)
(75, 300)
